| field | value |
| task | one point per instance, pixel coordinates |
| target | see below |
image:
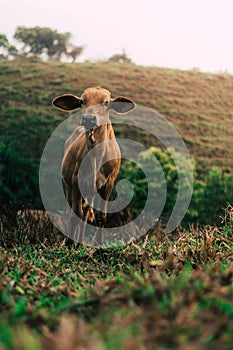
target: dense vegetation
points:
(211, 194)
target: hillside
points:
(162, 291)
(200, 105)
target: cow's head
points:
(96, 103)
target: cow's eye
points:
(83, 103)
(105, 103)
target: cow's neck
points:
(99, 134)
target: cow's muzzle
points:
(88, 121)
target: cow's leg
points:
(68, 214)
(86, 215)
(68, 192)
(105, 193)
(76, 205)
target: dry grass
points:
(199, 104)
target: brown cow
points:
(95, 140)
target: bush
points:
(162, 172)
(18, 178)
(210, 196)
(217, 193)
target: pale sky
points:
(181, 34)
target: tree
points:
(36, 41)
(6, 49)
(3, 41)
(75, 51)
(121, 58)
(59, 46)
(46, 42)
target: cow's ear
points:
(67, 102)
(122, 105)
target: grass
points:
(165, 291)
(198, 104)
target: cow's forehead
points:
(96, 94)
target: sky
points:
(183, 34)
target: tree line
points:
(47, 44)
(40, 42)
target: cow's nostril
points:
(88, 121)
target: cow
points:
(93, 140)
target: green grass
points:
(165, 291)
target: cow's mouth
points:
(89, 122)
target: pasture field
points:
(163, 292)
(199, 105)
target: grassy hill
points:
(200, 105)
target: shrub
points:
(161, 169)
(18, 178)
(217, 193)
(210, 196)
